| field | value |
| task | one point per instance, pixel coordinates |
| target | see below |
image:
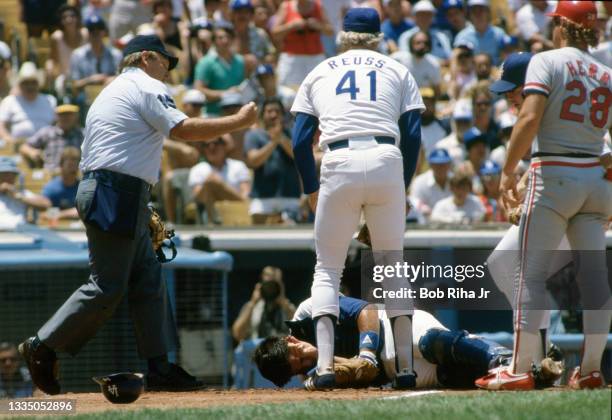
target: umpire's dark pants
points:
(119, 265)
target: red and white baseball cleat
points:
(590, 381)
(500, 379)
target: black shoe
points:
(405, 381)
(318, 382)
(43, 365)
(176, 380)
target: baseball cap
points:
(439, 157)
(264, 69)
(66, 108)
(194, 97)
(466, 45)
(490, 168)
(450, 4)
(241, 4)
(95, 22)
(8, 164)
(508, 41)
(463, 110)
(424, 6)
(362, 19)
(28, 71)
(427, 93)
(513, 72)
(231, 99)
(472, 3)
(149, 43)
(580, 12)
(472, 136)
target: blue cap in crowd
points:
(362, 19)
(508, 41)
(450, 4)
(438, 157)
(242, 4)
(490, 168)
(149, 43)
(8, 164)
(472, 136)
(264, 69)
(95, 22)
(513, 73)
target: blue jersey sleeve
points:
(410, 144)
(303, 133)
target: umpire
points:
(121, 158)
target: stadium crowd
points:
(57, 59)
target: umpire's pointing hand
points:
(247, 115)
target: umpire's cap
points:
(121, 388)
(149, 43)
(514, 71)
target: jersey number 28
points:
(347, 84)
(600, 100)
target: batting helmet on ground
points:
(121, 388)
(581, 12)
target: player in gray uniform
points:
(567, 104)
(121, 159)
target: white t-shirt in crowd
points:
(446, 211)
(234, 173)
(13, 212)
(425, 192)
(23, 117)
(531, 20)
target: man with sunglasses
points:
(121, 158)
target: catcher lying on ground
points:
(365, 352)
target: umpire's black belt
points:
(122, 181)
(342, 144)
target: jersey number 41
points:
(348, 84)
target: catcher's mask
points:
(121, 388)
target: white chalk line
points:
(411, 394)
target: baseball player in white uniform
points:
(367, 107)
(568, 98)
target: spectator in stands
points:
(180, 157)
(460, 123)
(45, 147)
(462, 207)
(490, 174)
(424, 13)
(483, 66)
(27, 111)
(462, 71)
(532, 21)
(167, 27)
(69, 36)
(230, 103)
(249, 38)
(5, 83)
(94, 63)
(220, 70)
(455, 16)
(127, 15)
(485, 37)
(432, 186)
(335, 11)
(506, 123)
(432, 129)
(298, 26)
(267, 310)
(199, 42)
(276, 186)
(62, 189)
(395, 24)
(477, 151)
(40, 16)
(100, 8)
(261, 16)
(219, 178)
(14, 202)
(424, 67)
(269, 88)
(482, 105)
(15, 380)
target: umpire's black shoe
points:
(405, 381)
(176, 380)
(42, 363)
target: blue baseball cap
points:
(8, 164)
(149, 43)
(95, 22)
(490, 168)
(362, 19)
(513, 72)
(472, 136)
(439, 157)
(450, 4)
(242, 4)
(264, 69)
(508, 41)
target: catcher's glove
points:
(550, 369)
(356, 372)
(364, 236)
(159, 234)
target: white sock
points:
(402, 337)
(596, 324)
(325, 344)
(528, 346)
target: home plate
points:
(411, 394)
